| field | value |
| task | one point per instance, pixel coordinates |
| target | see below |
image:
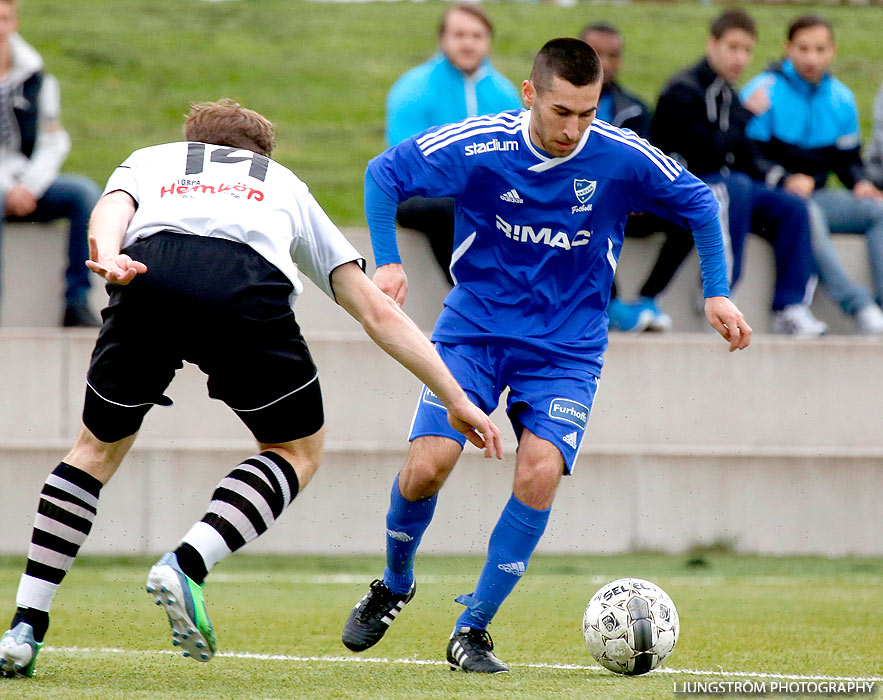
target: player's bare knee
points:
(430, 461)
(96, 457)
(304, 455)
(421, 480)
(536, 482)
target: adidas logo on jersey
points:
(512, 197)
(570, 439)
(400, 536)
(516, 568)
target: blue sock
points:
(406, 521)
(512, 542)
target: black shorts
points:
(221, 306)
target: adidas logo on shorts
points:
(570, 439)
(517, 568)
(512, 197)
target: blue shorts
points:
(552, 402)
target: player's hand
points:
(800, 184)
(116, 269)
(20, 202)
(467, 418)
(392, 281)
(865, 189)
(727, 320)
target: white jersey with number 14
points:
(232, 193)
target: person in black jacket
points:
(701, 121)
(624, 109)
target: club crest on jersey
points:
(570, 411)
(584, 189)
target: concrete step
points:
(773, 450)
(754, 292)
(30, 300)
(614, 502)
(682, 392)
(34, 301)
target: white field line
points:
(594, 580)
(428, 662)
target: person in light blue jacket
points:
(807, 122)
(458, 82)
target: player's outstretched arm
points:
(107, 228)
(726, 319)
(399, 336)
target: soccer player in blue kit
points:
(542, 199)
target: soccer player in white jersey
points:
(542, 199)
(200, 242)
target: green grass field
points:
(322, 70)
(278, 621)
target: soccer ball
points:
(630, 626)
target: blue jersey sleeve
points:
(710, 246)
(380, 213)
(425, 165)
(675, 193)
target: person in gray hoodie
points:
(33, 147)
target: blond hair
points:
(228, 123)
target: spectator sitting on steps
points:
(33, 146)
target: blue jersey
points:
(537, 238)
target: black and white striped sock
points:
(246, 502)
(68, 505)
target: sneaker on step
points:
(184, 604)
(472, 650)
(18, 651)
(629, 318)
(661, 321)
(869, 320)
(373, 614)
(797, 320)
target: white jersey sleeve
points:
(123, 178)
(235, 194)
(319, 246)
